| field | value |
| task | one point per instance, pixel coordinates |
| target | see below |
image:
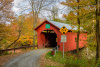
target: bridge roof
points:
(59, 25)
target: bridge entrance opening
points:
(50, 38)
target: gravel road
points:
(30, 59)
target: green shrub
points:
(73, 61)
(5, 53)
(98, 63)
(57, 58)
(50, 66)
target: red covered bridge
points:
(48, 35)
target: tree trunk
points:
(34, 34)
(97, 31)
(78, 20)
(35, 21)
(34, 24)
(15, 40)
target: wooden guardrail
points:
(2, 51)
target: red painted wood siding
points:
(69, 45)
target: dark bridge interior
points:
(51, 38)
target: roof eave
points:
(40, 24)
(43, 23)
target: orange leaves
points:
(26, 39)
(6, 13)
(64, 3)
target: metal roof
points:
(60, 25)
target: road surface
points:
(30, 59)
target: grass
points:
(57, 58)
(71, 60)
(50, 66)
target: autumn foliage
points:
(18, 33)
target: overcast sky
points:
(19, 4)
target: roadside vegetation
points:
(18, 30)
(71, 60)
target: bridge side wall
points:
(69, 45)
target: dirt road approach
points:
(30, 59)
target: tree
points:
(53, 13)
(6, 13)
(75, 5)
(36, 7)
(78, 20)
(20, 26)
(87, 14)
(97, 28)
(4, 34)
(27, 30)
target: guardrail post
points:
(33, 47)
(55, 51)
(14, 51)
(57, 48)
(2, 53)
(25, 49)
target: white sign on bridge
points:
(63, 38)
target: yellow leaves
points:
(83, 3)
(82, 12)
(71, 16)
(21, 17)
(73, 4)
(64, 3)
(25, 39)
(91, 38)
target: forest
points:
(17, 28)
